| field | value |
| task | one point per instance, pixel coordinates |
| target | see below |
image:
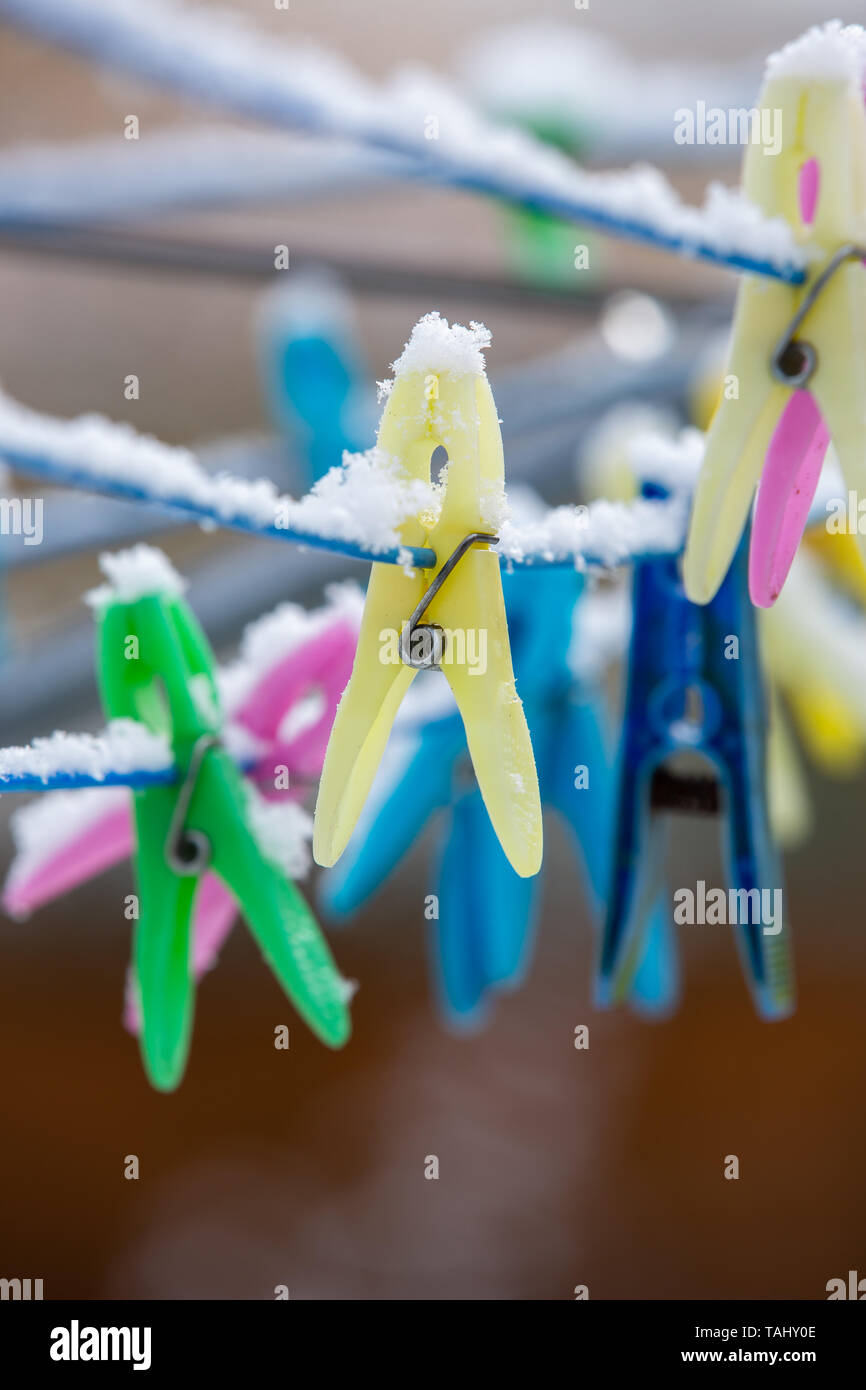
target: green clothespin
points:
(165, 679)
(543, 249)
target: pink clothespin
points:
(793, 464)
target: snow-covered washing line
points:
(223, 61)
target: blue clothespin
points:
(695, 684)
(486, 912)
(316, 387)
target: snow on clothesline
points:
(356, 509)
(126, 753)
(220, 59)
(41, 827)
(370, 499)
(83, 760)
(559, 76)
(525, 72)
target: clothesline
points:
(356, 509)
(128, 754)
(218, 59)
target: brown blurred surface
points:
(557, 1167)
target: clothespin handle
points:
(155, 665)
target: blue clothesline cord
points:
(421, 557)
(133, 778)
(71, 476)
(76, 781)
(118, 45)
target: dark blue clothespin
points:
(695, 685)
(315, 383)
(485, 913)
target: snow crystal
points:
(826, 52)
(363, 501)
(125, 746)
(603, 533)
(283, 831)
(105, 449)
(435, 346)
(674, 463)
(135, 573)
(43, 825)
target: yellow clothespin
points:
(788, 801)
(790, 337)
(440, 397)
(816, 659)
(842, 558)
(829, 729)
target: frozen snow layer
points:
(135, 573)
(356, 508)
(221, 59)
(436, 346)
(125, 747)
(834, 52)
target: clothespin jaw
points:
(414, 782)
(482, 929)
(426, 410)
(483, 932)
(155, 666)
(796, 373)
(690, 689)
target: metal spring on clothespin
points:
(794, 361)
(422, 645)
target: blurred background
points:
(557, 1167)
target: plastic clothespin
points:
(796, 374)
(483, 928)
(440, 397)
(312, 372)
(826, 691)
(320, 665)
(789, 804)
(486, 915)
(96, 829)
(204, 823)
(841, 558)
(544, 250)
(686, 695)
